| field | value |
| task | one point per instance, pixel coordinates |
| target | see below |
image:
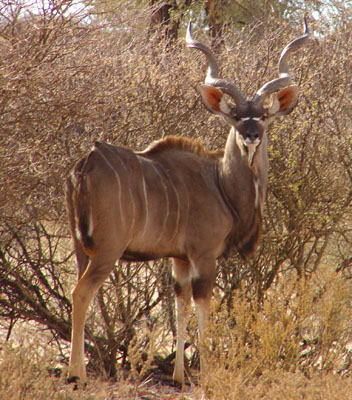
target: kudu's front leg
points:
(202, 287)
(192, 278)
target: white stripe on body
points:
(146, 206)
(134, 209)
(131, 194)
(167, 204)
(145, 200)
(118, 182)
(178, 207)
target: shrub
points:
(68, 78)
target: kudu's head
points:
(249, 118)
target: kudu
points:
(175, 199)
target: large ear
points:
(214, 100)
(284, 101)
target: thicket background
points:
(73, 72)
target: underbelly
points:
(130, 255)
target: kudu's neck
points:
(244, 184)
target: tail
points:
(70, 207)
(83, 209)
(79, 209)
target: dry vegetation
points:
(281, 323)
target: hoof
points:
(72, 379)
(178, 379)
(76, 382)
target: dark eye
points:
(236, 118)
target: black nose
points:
(252, 135)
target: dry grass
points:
(24, 375)
(251, 353)
(293, 347)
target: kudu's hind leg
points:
(92, 279)
(82, 261)
(183, 291)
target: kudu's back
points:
(163, 202)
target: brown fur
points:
(250, 241)
(184, 144)
(244, 238)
